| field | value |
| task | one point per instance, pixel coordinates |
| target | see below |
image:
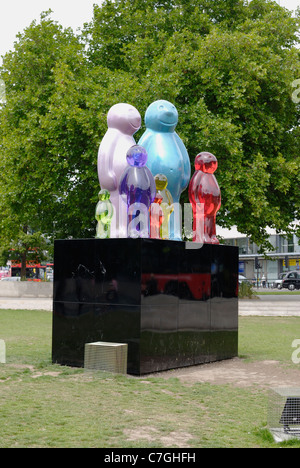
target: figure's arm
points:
(152, 185)
(123, 186)
(106, 175)
(145, 140)
(170, 200)
(186, 163)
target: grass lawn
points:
(280, 292)
(45, 405)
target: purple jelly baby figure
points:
(123, 121)
(205, 198)
(138, 190)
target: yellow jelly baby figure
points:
(161, 183)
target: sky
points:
(16, 15)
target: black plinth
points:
(174, 303)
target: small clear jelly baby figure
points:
(167, 206)
(156, 217)
(137, 189)
(103, 215)
(205, 198)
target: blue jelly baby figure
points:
(167, 155)
(137, 189)
(103, 215)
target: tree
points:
(40, 160)
(228, 66)
(27, 247)
(2, 92)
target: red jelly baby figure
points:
(205, 198)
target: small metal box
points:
(105, 356)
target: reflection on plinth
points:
(172, 305)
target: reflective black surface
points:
(174, 303)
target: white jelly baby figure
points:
(103, 214)
(123, 121)
(137, 189)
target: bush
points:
(246, 291)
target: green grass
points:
(279, 292)
(45, 405)
(268, 338)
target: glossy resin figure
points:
(103, 215)
(123, 121)
(167, 155)
(137, 188)
(156, 216)
(161, 183)
(205, 198)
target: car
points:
(291, 281)
(11, 278)
(49, 276)
(278, 283)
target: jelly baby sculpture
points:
(205, 198)
(103, 215)
(156, 217)
(167, 155)
(123, 121)
(161, 183)
(137, 188)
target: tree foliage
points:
(42, 141)
(228, 66)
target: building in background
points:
(285, 256)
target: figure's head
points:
(206, 162)
(161, 116)
(137, 156)
(125, 118)
(103, 195)
(161, 181)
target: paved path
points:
(269, 308)
(28, 303)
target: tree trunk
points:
(23, 266)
